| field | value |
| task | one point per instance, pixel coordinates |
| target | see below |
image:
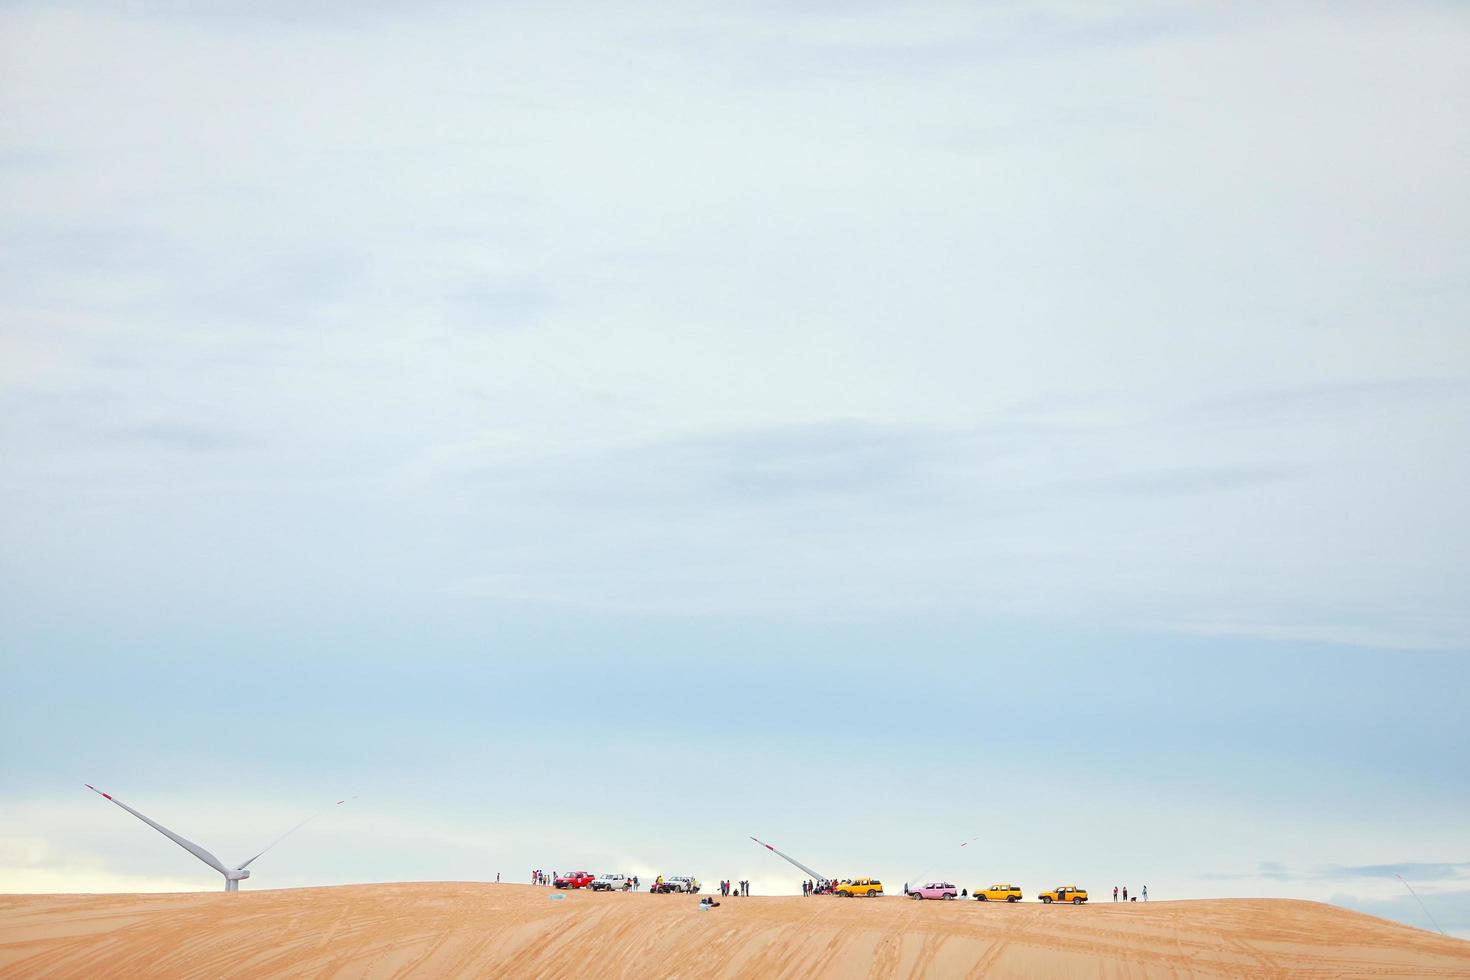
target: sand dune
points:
(453, 929)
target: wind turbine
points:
(233, 876)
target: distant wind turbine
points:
(1421, 903)
(233, 876)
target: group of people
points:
(1143, 894)
(741, 889)
(810, 887)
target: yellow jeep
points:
(1064, 893)
(860, 886)
(998, 893)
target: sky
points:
(592, 437)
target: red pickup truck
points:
(573, 879)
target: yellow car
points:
(860, 886)
(998, 893)
(1064, 893)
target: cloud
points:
(1438, 871)
(1446, 910)
(1267, 870)
(32, 865)
(492, 304)
(1417, 872)
(1194, 480)
(173, 436)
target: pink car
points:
(935, 889)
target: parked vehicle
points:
(611, 883)
(936, 890)
(573, 879)
(998, 893)
(1064, 893)
(677, 883)
(860, 886)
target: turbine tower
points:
(233, 876)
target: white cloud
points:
(660, 256)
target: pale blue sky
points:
(594, 437)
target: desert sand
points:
(442, 929)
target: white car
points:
(611, 883)
(681, 883)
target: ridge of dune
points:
(435, 929)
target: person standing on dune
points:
(1145, 893)
(1125, 893)
(1115, 893)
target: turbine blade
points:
(791, 860)
(185, 843)
(290, 832)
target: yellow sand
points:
(452, 929)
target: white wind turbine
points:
(233, 876)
